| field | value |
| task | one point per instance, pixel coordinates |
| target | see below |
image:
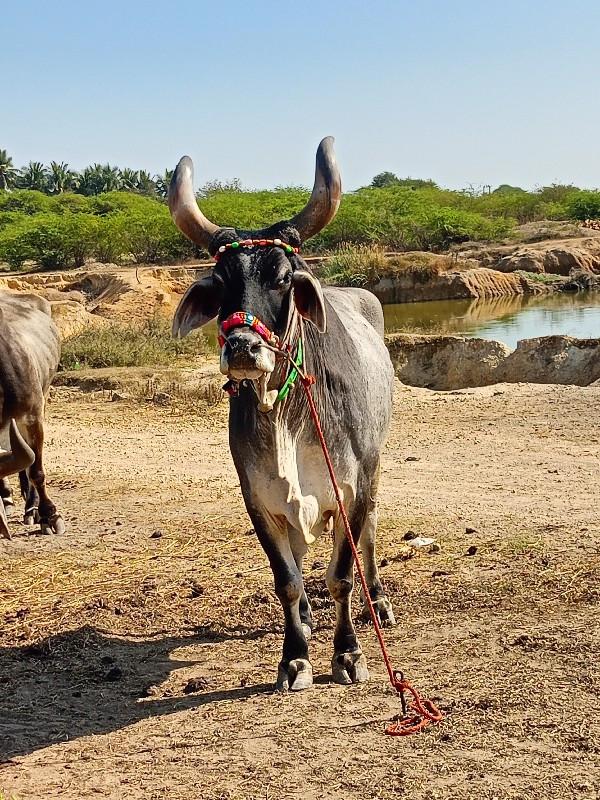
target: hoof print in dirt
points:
(349, 668)
(296, 677)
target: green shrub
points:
(354, 265)
(584, 205)
(147, 344)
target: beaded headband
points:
(253, 243)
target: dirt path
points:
(139, 667)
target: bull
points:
(268, 303)
(29, 356)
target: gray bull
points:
(29, 356)
(282, 472)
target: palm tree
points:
(162, 182)
(34, 176)
(97, 179)
(145, 184)
(129, 179)
(60, 178)
(8, 172)
(111, 177)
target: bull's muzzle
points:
(245, 357)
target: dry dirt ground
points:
(140, 666)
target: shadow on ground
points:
(87, 682)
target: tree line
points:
(93, 180)
(122, 218)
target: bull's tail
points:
(19, 457)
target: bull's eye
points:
(283, 281)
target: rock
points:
(553, 359)
(318, 565)
(155, 535)
(477, 283)
(71, 318)
(195, 685)
(456, 362)
(409, 535)
(445, 362)
(472, 550)
(470, 530)
(114, 674)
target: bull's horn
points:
(184, 208)
(20, 455)
(326, 194)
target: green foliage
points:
(132, 223)
(354, 265)
(541, 277)
(583, 205)
(149, 344)
(384, 179)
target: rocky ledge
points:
(458, 362)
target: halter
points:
(243, 318)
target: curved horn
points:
(20, 455)
(326, 194)
(184, 208)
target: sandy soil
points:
(134, 666)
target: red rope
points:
(425, 710)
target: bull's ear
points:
(309, 300)
(198, 306)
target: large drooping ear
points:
(309, 300)
(198, 306)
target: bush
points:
(148, 344)
(354, 266)
(584, 205)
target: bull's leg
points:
(50, 520)
(348, 664)
(299, 550)
(6, 496)
(295, 670)
(32, 500)
(383, 607)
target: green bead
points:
(288, 249)
(235, 244)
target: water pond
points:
(506, 319)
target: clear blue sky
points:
(460, 91)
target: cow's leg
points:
(6, 496)
(348, 664)
(50, 520)
(295, 670)
(299, 550)
(383, 607)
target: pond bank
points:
(458, 362)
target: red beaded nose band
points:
(254, 243)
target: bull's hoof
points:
(296, 677)
(54, 524)
(349, 668)
(306, 630)
(383, 611)
(31, 517)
